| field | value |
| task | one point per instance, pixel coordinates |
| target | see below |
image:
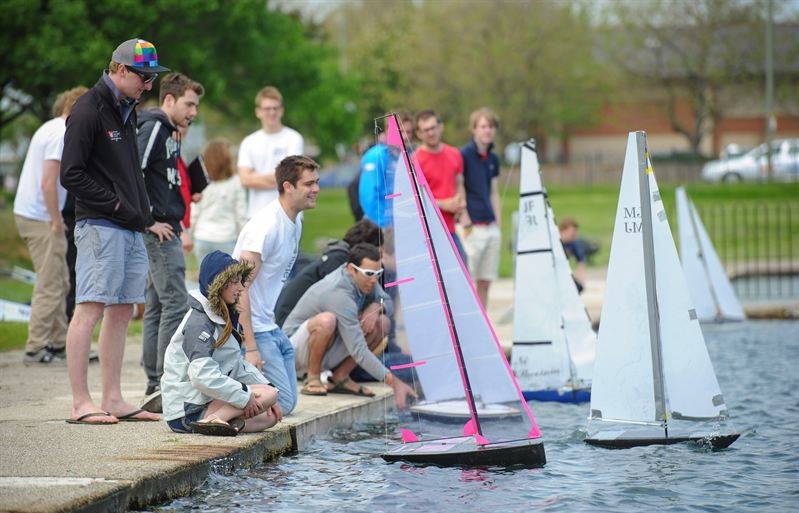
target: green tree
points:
(233, 48)
(703, 54)
(530, 60)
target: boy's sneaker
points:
(152, 402)
(61, 353)
(45, 356)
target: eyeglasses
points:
(143, 75)
(369, 273)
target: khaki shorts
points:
(482, 244)
(333, 357)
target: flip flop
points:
(316, 383)
(215, 428)
(82, 418)
(131, 417)
(340, 388)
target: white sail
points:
(708, 285)
(691, 386)
(540, 358)
(553, 341)
(652, 363)
(577, 328)
(623, 384)
(456, 354)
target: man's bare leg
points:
(373, 339)
(321, 331)
(112, 349)
(79, 340)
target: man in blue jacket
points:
(159, 148)
(100, 167)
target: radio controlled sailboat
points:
(653, 381)
(553, 341)
(708, 285)
(461, 368)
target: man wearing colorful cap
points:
(100, 167)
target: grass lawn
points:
(595, 208)
(14, 334)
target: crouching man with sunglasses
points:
(339, 322)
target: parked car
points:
(752, 165)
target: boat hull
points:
(581, 395)
(717, 441)
(464, 451)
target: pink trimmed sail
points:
(440, 319)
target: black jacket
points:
(100, 163)
(159, 163)
(334, 255)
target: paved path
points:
(49, 465)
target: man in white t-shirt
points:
(270, 241)
(37, 212)
(261, 151)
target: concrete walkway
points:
(52, 466)
(49, 465)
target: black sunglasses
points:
(143, 75)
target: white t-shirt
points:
(221, 213)
(47, 143)
(263, 152)
(271, 233)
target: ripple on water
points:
(754, 361)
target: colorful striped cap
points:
(139, 54)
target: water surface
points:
(756, 366)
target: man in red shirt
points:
(442, 166)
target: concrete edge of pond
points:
(52, 466)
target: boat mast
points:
(650, 280)
(456, 341)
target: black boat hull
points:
(464, 451)
(717, 441)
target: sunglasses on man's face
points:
(369, 273)
(143, 75)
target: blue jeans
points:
(167, 302)
(278, 356)
(181, 425)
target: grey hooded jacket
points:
(195, 373)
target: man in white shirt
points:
(261, 151)
(37, 212)
(270, 241)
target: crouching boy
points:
(207, 386)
